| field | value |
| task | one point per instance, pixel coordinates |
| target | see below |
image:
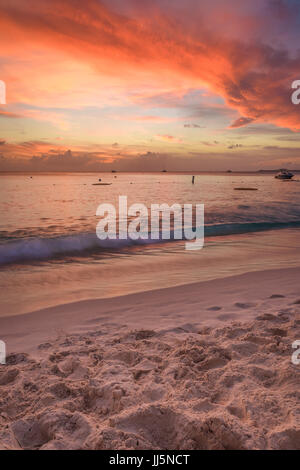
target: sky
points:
(146, 85)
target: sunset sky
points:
(149, 84)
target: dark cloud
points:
(209, 144)
(152, 161)
(234, 146)
(7, 114)
(240, 122)
(242, 59)
(193, 126)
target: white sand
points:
(202, 366)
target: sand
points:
(201, 366)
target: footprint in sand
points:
(226, 316)
(244, 305)
(9, 376)
(214, 309)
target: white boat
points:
(284, 175)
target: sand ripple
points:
(232, 387)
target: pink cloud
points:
(169, 138)
(196, 47)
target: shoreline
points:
(187, 302)
(29, 288)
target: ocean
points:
(49, 252)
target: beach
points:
(200, 366)
(150, 228)
(149, 345)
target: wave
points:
(35, 249)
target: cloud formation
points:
(45, 156)
(169, 138)
(235, 59)
(193, 126)
(7, 114)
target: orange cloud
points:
(7, 114)
(29, 148)
(55, 159)
(169, 138)
(240, 122)
(254, 78)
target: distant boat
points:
(114, 171)
(164, 171)
(102, 184)
(245, 189)
(284, 175)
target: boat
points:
(284, 175)
(101, 184)
(245, 189)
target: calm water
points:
(49, 215)
(49, 252)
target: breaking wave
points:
(34, 249)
